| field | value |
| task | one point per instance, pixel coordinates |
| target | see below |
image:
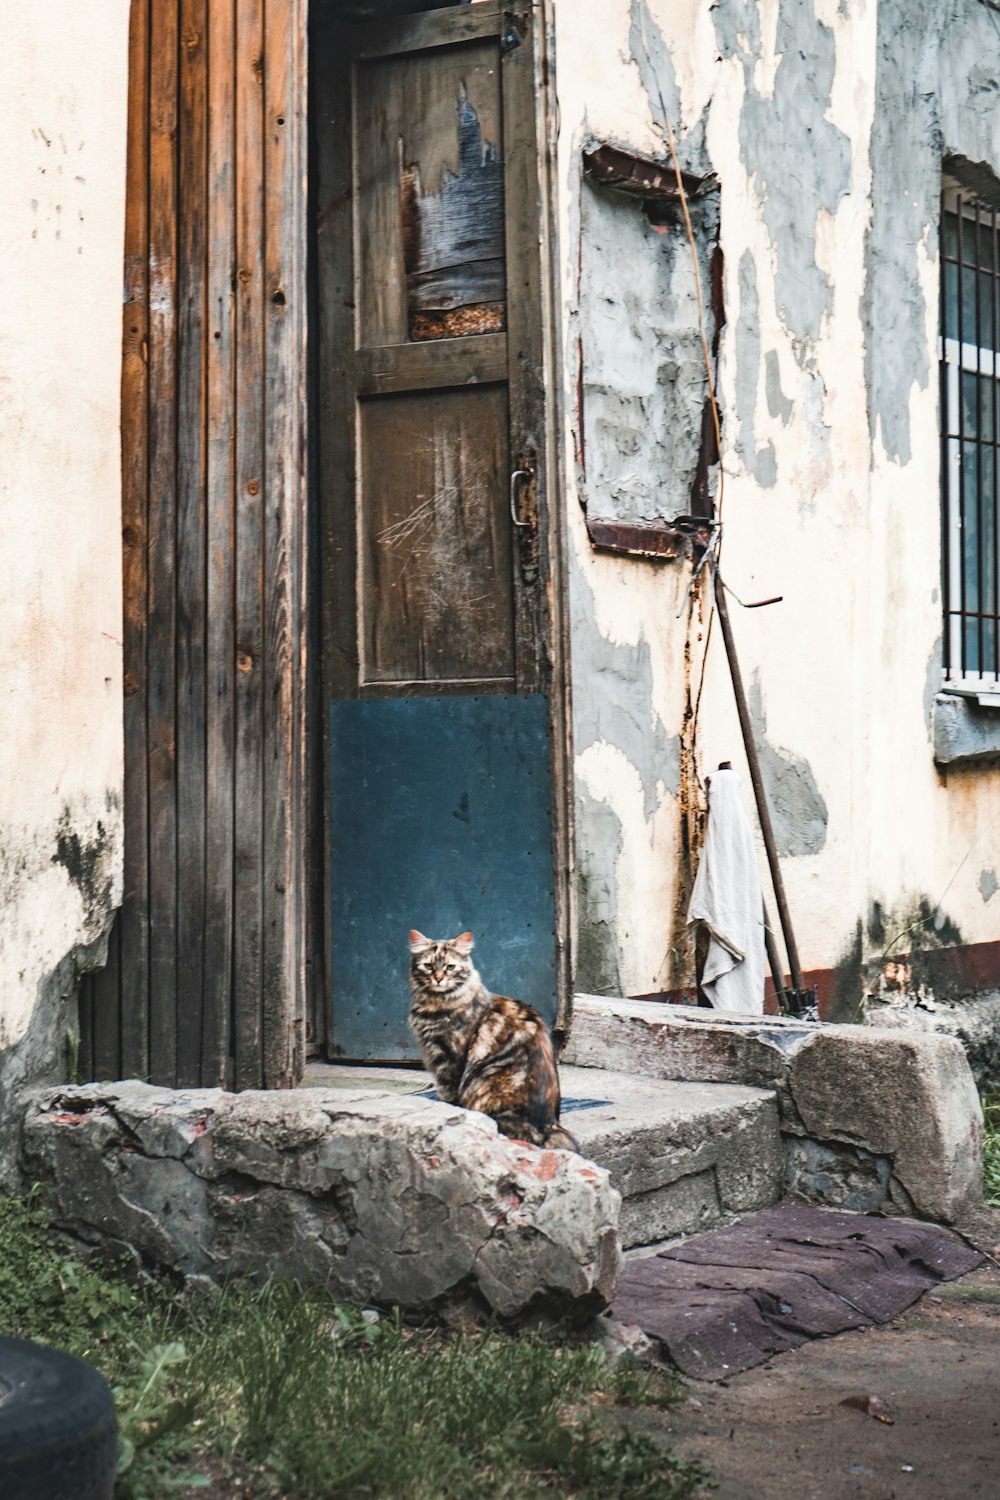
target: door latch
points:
(514, 487)
(524, 514)
(512, 36)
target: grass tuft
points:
(276, 1391)
(991, 1150)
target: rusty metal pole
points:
(773, 956)
(784, 916)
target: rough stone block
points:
(908, 1097)
(684, 1156)
(975, 1022)
(376, 1197)
(965, 733)
(681, 1041)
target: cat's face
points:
(440, 966)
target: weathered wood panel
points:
(132, 927)
(436, 543)
(205, 980)
(429, 171)
(438, 560)
(220, 659)
(285, 887)
(192, 210)
(248, 505)
(159, 676)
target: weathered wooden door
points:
(437, 631)
(206, 964)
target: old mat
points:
(725, 1301)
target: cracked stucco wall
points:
(62, 162)
(826, 124)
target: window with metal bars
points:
(970, 423)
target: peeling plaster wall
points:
(62, 163)
(826, 124)
(932, 835)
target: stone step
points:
(684, 1156)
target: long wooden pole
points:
(784, 916)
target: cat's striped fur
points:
(486, 1051)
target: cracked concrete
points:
(376, 1196)
(843, 1093)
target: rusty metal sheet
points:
(728, 1300)
(641, 176)
(657, 543)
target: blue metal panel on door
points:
(440, 819)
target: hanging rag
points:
(727, 898)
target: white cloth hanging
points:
(727, 898)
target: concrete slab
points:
(375, 1196)
(871, 1118)
(684, 1156)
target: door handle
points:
(515, 476)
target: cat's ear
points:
(462, 944)
(418, 943)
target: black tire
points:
(57, 1426)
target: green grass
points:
(293, 1396)
(991, 1150)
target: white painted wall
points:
(848, 535)
(62, 165)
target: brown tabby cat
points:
(485, 1051)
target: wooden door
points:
(433, 503)
(206, 963)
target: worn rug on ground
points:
(727, 1300)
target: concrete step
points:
(684, 1156)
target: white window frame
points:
(956, 359)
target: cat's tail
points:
(558, 1139)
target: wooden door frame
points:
(547, 361)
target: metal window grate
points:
(970, 434)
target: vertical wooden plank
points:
(191, 540)
(107, 1058)
(249, 581)
(161, 719)
(335, 197)
(284, 403)
(132, 924)
(314, 925)
(90, 988)
(556, 529)
(220, 637)
(525, 355)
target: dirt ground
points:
(797, 1428)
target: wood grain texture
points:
(132, 927)
(192, 204)
(283, 665)
(414, 455)
(427, 168)
(162, 599)
(436, 543)
(336, 313)
(432, 29)
(477, 360)
(249, 501)
(220, 663)
(526, 371)
(204, 983)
